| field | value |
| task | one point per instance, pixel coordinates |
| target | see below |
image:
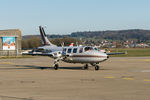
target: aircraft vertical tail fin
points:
(44, 38)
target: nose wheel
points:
(56, 66)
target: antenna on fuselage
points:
(77, 44)
(62, 44)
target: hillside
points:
(134, 34)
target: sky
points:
(67, 16)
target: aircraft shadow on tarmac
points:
(42, 68)
(67, 68)
(39, 67)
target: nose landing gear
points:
(56, 66)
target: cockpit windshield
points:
(88, 48)
(96, 49)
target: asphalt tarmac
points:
(120, 78)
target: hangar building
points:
(10, 42)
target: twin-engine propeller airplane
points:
(87, 55)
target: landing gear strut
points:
(96, 66)
(56, 66)
(86, 66)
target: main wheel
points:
(56, 66)
(86, 66)
(96, 67)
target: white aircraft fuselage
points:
(76, 54)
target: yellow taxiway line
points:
(128, 78)
(147, 80)
(109, 77)
(5, 63)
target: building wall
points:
(11, 33)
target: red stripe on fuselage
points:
(87, 56)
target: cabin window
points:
(64, 50)
(69, 50)
(75, 50)
(39, 50)
(48, 51)
(88, 48)
(96, 49)
(80, 50)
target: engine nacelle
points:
(57, 54)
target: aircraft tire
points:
(96, 67)
(86, 66)
(56, 66)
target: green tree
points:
(32, 42)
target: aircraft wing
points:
(38, 54)
(116, 53)
(55, 54)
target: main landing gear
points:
(86, 66)
(96, 66)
